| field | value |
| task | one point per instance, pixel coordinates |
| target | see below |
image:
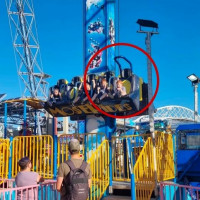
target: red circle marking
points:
(157, 77)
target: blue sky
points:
(176, 50)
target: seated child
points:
(120, 90)
(102, 91)
(82, 97)
(55, 97)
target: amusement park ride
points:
(138, 162)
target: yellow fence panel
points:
(144, 172)
(164, 156)
(40, 151)
(120, 163)
(5, 141)
(89, 142)
(4, 158)
(144, 168)
(99, 163)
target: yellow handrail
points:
(144, 167)
(164, 156)
(144, 172)
(99, 163)
(4, 158)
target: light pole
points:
(195, 81)
(149, 34)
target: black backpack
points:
(76, 182)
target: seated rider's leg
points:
(50, 102)
(59, 102)
(110, 95)
(94, 96)
(85, 99)
(76, 99)
(103, 96)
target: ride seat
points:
(63, 87)
(51, 89)
(90, 79)
(126, 73)
(132, 84)
(145, 100)
(130, 81)
(50, 92)
(113, 83)
(73, 90)
(108, 75)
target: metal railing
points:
(5, 141)
(120, 162)
(144, 168)
(4, 159)
(7, 183)
(131, 170)
(172, 191)
(144, 172)
(44, 191)
(164, 156)
(99, 163)
(39, 149)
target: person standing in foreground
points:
(74, 175)
(27, 178)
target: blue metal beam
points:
(55, 150)
(10, 159)
(133, 195)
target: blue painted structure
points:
(10, 159)
(99, 31)
(188, 152)
(174, 192)
(133, 188)
(55, 150)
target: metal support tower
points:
(27, 52)
(151, 107)
(26, 46)
(196, 103)
(148, 23)
(195, 80)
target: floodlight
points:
(193, 78)
(147, 23)
(195, 81)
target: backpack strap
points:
(83, 166)
(70, 164)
